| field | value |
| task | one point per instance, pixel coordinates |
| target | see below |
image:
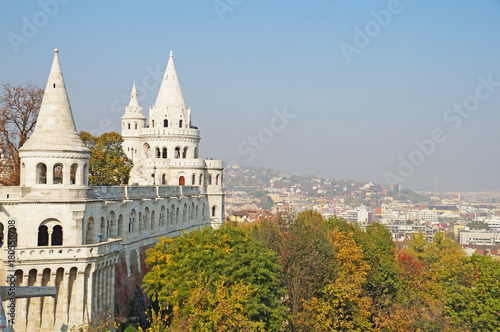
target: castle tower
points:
(168, 147)
(54, 156)
(133, 122)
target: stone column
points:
(76, 314)
(67, 174)
(109, 282)
(112, 289)
(50, 174)
(62, 302)
(99, 291)
(49, 232)
(34, 309)
(79, 174)
(90, 295)
(48, 306)
(22, 306)
(93, 297)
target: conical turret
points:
(170, 94)
(55, 128)
(133, 110)
(54, 155)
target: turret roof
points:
(55, 128)
(170, 94)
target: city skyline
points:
(391, 90)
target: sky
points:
(404, 92)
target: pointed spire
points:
(133, 110)
(55, 127)
(133, 97)
(170, 94)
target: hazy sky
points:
(379, 90)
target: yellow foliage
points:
(343, 306)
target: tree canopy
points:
(216, 270)
(108, 165)
(305, 273)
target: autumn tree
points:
(216, 279)
(344, 305)
(108, 165)
(19, 107)
(305, 254)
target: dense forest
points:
(305, 273)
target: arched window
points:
(209, 179)
(153, 123)
(57, 235)
(165, 123)
(164, 154)
(163, 179)
(41, 173)
(177, 153)
(74, 169)
(193, 180)
(58, 174)
(201, 179)
(158, 153)
(195, 153)
(180, 123)
(135, 125)
(214, 210)
(43, 236)
(182, 181)
(129, 126)
(185, 152)
(217, 180)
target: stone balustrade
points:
(170, 132)
(63, 252)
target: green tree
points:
(177, 266)
(473, 294)
(476, 224)
(266, 202)
(108, 166)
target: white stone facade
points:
(89, 242)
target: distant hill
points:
(259, 179)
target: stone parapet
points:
(62, 253)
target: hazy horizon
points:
(402, 91)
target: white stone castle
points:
(90, 242)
